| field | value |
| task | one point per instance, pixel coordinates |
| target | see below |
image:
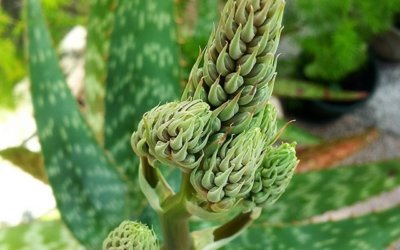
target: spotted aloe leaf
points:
(370, 232)
(43, 235)
(317, 192)
(312, 91)
(143, 72)
(101, 19)
(89, 192)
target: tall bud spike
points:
(247, 33)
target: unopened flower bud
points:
(228, 174)
(131, 235)
(175, 133)
(273, 176)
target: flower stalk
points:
(175, 219)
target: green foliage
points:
(11, 66)
(64, 14)
(334, 35)
(61, 14)
(43, 235)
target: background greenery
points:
(334, 36)
(61, 14)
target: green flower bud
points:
(236, 72)
(273, 176)
(228, 174)
(131, 236)
(175, 133)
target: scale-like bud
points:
(227, 175)
(273, 176)
(175, 133)
(235, 74)
(131, 236)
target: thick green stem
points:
(176, 231)
(175, 220)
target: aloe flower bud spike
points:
(272, 177)
(221, 133)
(131, 235)
(175, 133)
(236, 71)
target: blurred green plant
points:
(96, 187)
(11, 65)
(62, 15)
(334, 35)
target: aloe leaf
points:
(143, 72)
(100, 25)
(43, 235)
(89, 192)
(316, 192)
(28, 161)
(312, 91)
(370, 232)
(292, 132)
(327, 154)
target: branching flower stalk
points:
(221, 134)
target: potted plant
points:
(333, 39)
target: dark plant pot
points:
(364, 79)
(386, 46)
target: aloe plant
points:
(217, 141)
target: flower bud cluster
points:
(131, 236)
(223, 130)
